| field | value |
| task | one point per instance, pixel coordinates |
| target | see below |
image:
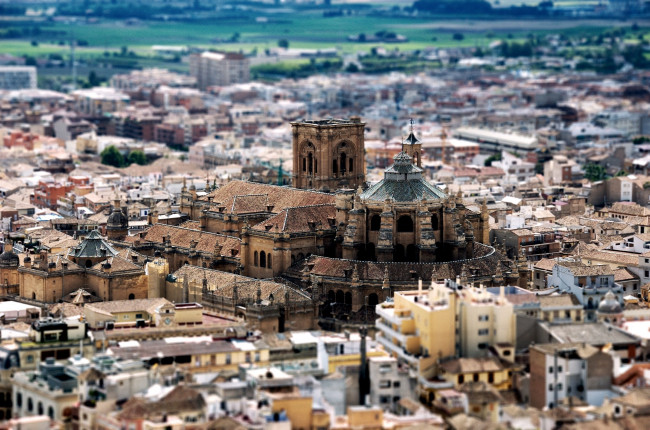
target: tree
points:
(137, 157)
(491, 158)
(111, 156)
(595, 172)
(283, 43)
(458, 36)
(93, 79)
(352, 68)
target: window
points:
(396, 384)
(384, 384)
(138, 316)
(375, 223)
(268, 262)
(257, 356)
(248, 357)
(384, 399)
(483, 317)
(550, 387)
(404, 224)
(476, 376)
(483, 332)
(262, 259)
(228, 359)
(550, 369)
(461, 379)
(255, 259)
(491, 377)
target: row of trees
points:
(111, 156)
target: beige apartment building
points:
(219, 69)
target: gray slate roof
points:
(403, 182)
(92, 246)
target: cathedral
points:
(349, 244)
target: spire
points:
(184, 184)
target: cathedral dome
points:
(9, 259)
(403, 182)
(117, 220)
(609, 304)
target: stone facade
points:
(328, 154)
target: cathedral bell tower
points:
(413, 147)
(328, 154)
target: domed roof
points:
(117, 219)
(609, 304)
(9, 259)
(403, 182)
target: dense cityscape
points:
(324, 215)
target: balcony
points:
(389, 315)
(390, 332)
(391, 347)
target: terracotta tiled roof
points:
(118, 264)
(618, 258)
(182, 237)
(404, 272)
(624, 275)
(629, 209)
(224, 283)
(299, 219)
(276, 196)
(545, 264)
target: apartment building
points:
(219, 69)
(17, 77)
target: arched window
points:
(434, 221)
(310, 162)
(262, 259)
(373, 299)
(405, 224)
(19, 400)
(304, 164)
(335, 168)
(131, 296)
(89, 264)
(331, 296)
(339, 296)
(40, 408)
(50, 412)
(375, 222)
(33, 296)
(348, 298)
(30, 404)
(315, 165)
(351, 165)
(255, 259)
(343, 159)
(269, 263)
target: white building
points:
(17, 77)
(516, 170)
